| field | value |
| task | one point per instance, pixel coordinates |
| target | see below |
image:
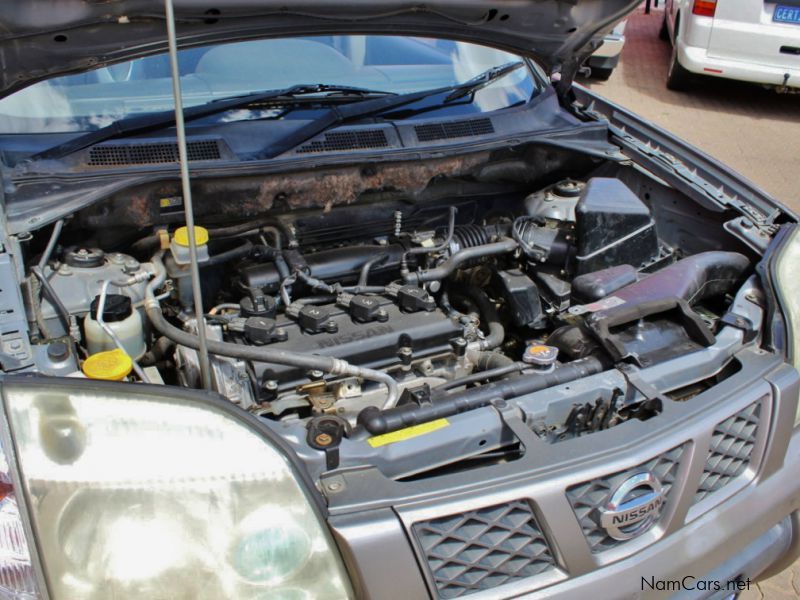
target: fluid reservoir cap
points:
(117, 308)
(112, 365)
(181, 236)
(540, 355)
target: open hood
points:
(44, 38)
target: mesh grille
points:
(347, 140)
(730, 451)
(484, 548)
(588, 498)
(454, 129)
(162, 152)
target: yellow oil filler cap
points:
(111, 365)
(181, 236)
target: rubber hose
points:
(446, 404)
(263, 354)
(488, 314)
(459, 258)
(228, 255)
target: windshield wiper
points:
(159, 120)
(366, 108)
(484, 79)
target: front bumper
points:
(697, 60)
(738, 531)
(611, 47)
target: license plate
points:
(787, 14)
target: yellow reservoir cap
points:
(111, 365)
(181, 236)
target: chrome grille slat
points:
(483, 548)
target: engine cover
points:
(372, 344)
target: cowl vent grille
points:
(109, 155)
(454, 129)
(335, 141)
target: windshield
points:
(94, 99)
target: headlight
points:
(17, 578)
(787, 272)
(156, 497)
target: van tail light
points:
(17, 578)
(704, 8)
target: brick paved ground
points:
(755, 131)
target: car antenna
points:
(194, 269)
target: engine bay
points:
(360, 320)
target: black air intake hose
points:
(692, 279)
(458, 259)
(488, 313)
(446, 404)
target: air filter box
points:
(614, 228)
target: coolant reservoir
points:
(122, 319)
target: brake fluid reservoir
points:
(178, 262)
(179, 246)
(122, 320)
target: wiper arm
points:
(159, 120)
(484, 79)
(338, 115)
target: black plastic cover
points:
(614, 228)
(522, 297)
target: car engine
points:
(379, 316)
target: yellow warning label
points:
(407, 433)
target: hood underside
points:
(44, 38)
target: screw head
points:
(323, 439)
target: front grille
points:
(589, 497)
(483, 548)
(730, 451)
(454, 129)
(108, 155)
(346, 140)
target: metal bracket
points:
(514, 418)
(654, 400)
